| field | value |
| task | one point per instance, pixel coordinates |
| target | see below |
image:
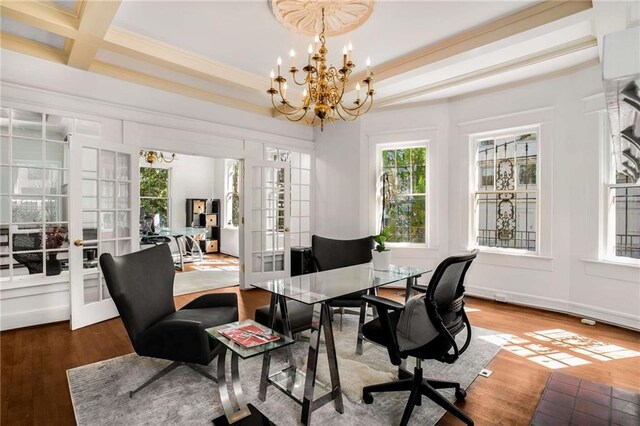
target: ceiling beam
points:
(147, 49)
(40, 15)
(520, 62)
(32, 48)
(532, 17)
(95, 20)
(171, 86)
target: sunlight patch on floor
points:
(554, 352)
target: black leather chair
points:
(445, 309)
(141, 285)
(332, 254)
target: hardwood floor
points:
(34, 361)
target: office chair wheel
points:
(461, 394)
(367, 398)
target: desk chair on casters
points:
(444, 303)
(141, 285)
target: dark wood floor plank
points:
(33, 362)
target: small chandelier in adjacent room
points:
(324, 86)
(153, 157)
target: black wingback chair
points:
(332, 254)
(445, 309)
(141, 285)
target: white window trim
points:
(427, 137)
(169, 167)
(473, 140)
(542, 118)
(227, 193)
(607, 246)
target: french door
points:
(104, 206)
(266, 220)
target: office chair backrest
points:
(332, 254)
(141, 285)
(444, 299)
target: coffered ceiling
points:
(222, 51)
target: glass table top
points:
(178, 232)
(322, 286)
(240, 350)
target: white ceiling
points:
(222, 50)
(246, 35)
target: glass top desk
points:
(178, 234)
(318, 289)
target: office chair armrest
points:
(381, 302)
(176, 340)
(420, 288)
(384, 306)
(213, 300)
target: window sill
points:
(512, 259)
(29, 281)
(410, 246)
(231, 228)
(613, 269)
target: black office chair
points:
(332, 254)
(141, 285)
(31, 241)
(445, 309)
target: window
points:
(403, 177)
(626, 215)
(232, 193)
(505, 191)
(154, 198)
(300, 229)
(34, 182)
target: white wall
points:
(565, 276)
(229, 237)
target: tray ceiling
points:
(222, 51)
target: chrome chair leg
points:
(201, 370)
(160, 374)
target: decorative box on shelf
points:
(205, 214)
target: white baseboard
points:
(620, 319)
(40, 316)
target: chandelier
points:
(153, 157)
(324, 87)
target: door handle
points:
(78, 243)
(286, 229)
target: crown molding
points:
(133, 76)
(532, 17)
(514, 64)
(32, 48)
(41, 15)
(147, 49)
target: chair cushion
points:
(300, 316)
(210, 317)
(373, 329)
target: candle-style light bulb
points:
(284, 91)
(350, 48)
(368, 66)
(272, 75)
(292, 55)
(358, 91)
(310, 51)
(279, 62)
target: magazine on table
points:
(249, 336)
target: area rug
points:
(195, 281)
(99, 391)
(569, 400)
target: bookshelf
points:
(205, 213)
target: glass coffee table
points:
(243, 414)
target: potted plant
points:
(380, 255)
(55, 238)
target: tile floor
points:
(569, 400)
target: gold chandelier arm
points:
(337, 109)
(293, 77)
(359, 109)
